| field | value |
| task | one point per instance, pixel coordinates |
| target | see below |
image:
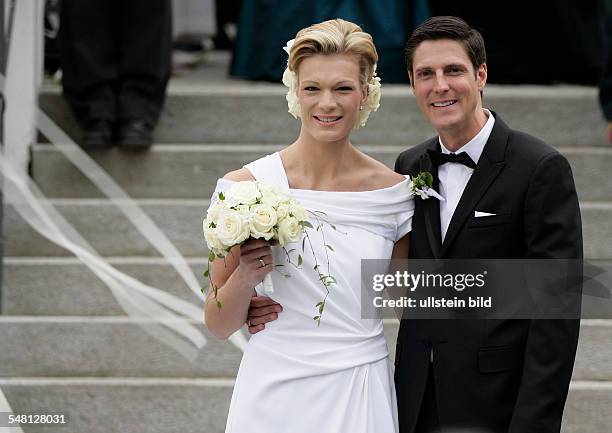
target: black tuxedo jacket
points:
(494, 375)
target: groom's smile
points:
(444, 104)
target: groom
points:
(507, 195)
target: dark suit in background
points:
(538, 42)
(492, 375)
(116, 60)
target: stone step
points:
(191, 171)
(111, 234)
(239, 112)
(63, 286)
(102, 405)
(119, 347)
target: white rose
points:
(263, 221)
(245, 192)
(290, 80)
(296, 209)
(213, 211)
(373, 101)
(271, 195)
(289, 230)
(212, 241)
(282, 211)
(232, 228)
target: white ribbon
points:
(433, 193)
(132, 211)
(5, 407)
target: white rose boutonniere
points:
(421, 185)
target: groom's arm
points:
(553, 230)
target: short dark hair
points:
(448, 27)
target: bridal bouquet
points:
(253, 209)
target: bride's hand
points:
(255, 261)
(261, 311)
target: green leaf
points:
(428, 178)
(211, 256)
(321, 308)
(221, 196)
(317, 318)
(219, 304)
(329, 246)
(300, 260)
(303, 243)
(319, 303)
(306, 224)
(206, 273)
(333, 227)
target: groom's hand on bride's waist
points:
(261, 311)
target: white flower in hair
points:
(373, 101)
(290, 80)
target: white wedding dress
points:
(296, 377)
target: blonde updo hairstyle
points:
(336, 36)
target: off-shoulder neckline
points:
(282, 167)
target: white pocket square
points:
(478, 214)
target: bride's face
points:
(330, 95)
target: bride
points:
(296, 376)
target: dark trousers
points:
(116, 58)
(428, 421)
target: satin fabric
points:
(299, 377)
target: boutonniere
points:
(421, 185)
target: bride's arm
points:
(400, 252)
(235, 276)
(401, 248)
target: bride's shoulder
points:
(239, 175)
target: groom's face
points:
(446, 86)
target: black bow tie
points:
(439, 158)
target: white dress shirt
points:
(454, 176)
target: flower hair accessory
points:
(290, 80)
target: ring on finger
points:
(263, 264)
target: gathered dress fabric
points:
(296, 376)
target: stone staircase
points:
(65, 344)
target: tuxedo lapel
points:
(431, 206)
(490, 164)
